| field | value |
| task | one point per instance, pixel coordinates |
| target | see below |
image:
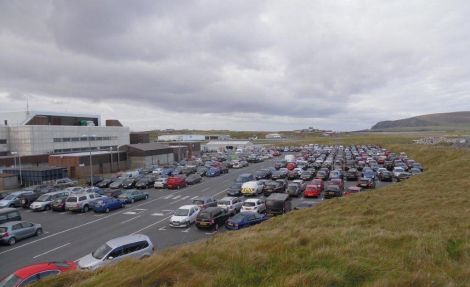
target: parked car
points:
(44, 202)
(106, 204)
(263, 174)
(212, 217)
(204, 202)
(9, 214)
(303, 205)
(313, 190)
(272, 186)
(252, 188)
(352, 174)
(332, 191)
(337, 181)
(136, 246)
(293, 189)
(253, 205)
(175, 182)
(145, 182)
(95, 180)
(184, 216)
(231, 204)
(386, 176)
(366, 183)
(133, 195)
(277, 203)
(65, 182)
(14, 199)
(35, 272)
(105, 183)
(193, 179)
(129, 183)
(235, 189)
(213, 171)
(28, 198)
(244, 219)
(13, 231)
(58, 204)
(352, 190)
(81, 202)
(307, 175)
(245, 177)
(160, 182)
(116, 184)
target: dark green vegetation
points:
(414, 233)
(441, 121)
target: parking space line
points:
(130, 219)
(157, 214)
(153, 224)
(211, 233)
(52, 250)
(176, 197)
(162, 228)
(194, 197)
(173, 202)
(185, 197)
(205, 189)
(186, 230)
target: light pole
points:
(111, 154)
(19, 162)
(91, 161)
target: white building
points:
(34, 133)
(273, 136)
(227, 145)
(181, 138)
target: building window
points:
(83, 139)
(3, 141)
(75, 139)
(57, 140)
(65, 139)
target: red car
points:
(175, 182)
(352, 189)
(312, 190)
(35, 272)
(291, 165)
(320, 182)
(337, 181)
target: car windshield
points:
(10, 281)
(101, 251)
(182, 212)
(292, 188)
(72, 199)
(10, 197)
(224, 202)
(43, 198)
(204, 215)
(247, 203)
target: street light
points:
(19, 162)
(91, 161)
(111, 154)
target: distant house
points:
(273, 136)
(227, 145)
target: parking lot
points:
(69, 236)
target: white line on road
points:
(194, 197)
(52, 250)
(186, 230)
(162, 228)
(130, 213)
(173, 202)
(185, 197)
(176, 197)
(130, 219)
(211, 233)
(167, 210)
(157, 214)
(205, 189)
(153, 224)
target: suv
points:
(81, 202)
(44, 202)
(212, 217)
(231, 204)
(130, 246)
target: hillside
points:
(441, 121)
(415, 233)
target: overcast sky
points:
(242, 65)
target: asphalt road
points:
(69, 236)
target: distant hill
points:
(440, 121)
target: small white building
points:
(273, 136)
(227, 145)
(181, 138)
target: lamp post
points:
(91, 161)
(19, 162)
(111, 154)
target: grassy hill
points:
(415, 233)
(440, 121)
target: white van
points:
(252, 188)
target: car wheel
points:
(11, 206)
(107, 210)
(12, 241)
(38, 232)
(132, 200)
(85, 209)
(48, 207)
(146, 197)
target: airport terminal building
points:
(31, 133)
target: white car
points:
(397, 171)
(184, 216)
(252, 188)
(160, 182)
(237, 164)
(253, 205)
(44, 201)
(231, 204)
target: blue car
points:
(369, 174)
(213, 171)
(106, 204)
(245, 219)
(167, 171)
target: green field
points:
(414, 233)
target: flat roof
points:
(228, 142)
(85, 153)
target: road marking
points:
(194, 197)
(176, 197)
(162, 228)
(185, 197)
(130, 213)
(140, 209)
(168, 196)
(63, 212)
(211, 233)
(148, 226)
(157, 214)
(220, 192)
(52, 250)
(130, 219)
(186, 230)
(177, 201)
(205, 189)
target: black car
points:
(293, 174)
(278, 174)
(145, 182)
(95, 180)
(386, 176)
(307, 175)
(202, 170)
(273, 186)
(129, 183)
(113, 193)
(235, 189)
(263, 174)
(104, 183)
(352, 174)
(193, 179)
(27, 198)
(322, 175)
(212, 217)
(332, 191)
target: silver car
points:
(11, 232)
(14, 199)
(231, 204)
(81, 202)
(136, 246)
(44, 201)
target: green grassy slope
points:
(430, 122)
(415, 233)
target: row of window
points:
(3, 141)
(67, 150)
(84, 139)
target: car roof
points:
(7, 209)
(189, 206)
(252, 200)
(11, 223)
(27, 271)
(119, 241)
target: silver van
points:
(136, 246)
(44, 201)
